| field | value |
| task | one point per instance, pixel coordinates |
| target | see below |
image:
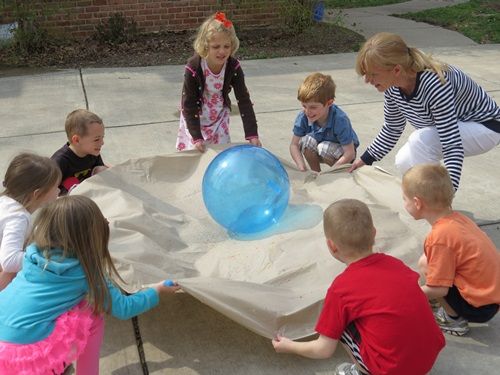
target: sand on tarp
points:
(272, 282)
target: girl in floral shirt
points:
(209, 76)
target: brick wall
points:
(78, 18)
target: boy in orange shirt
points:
(461, 265)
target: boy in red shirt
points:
(460, 264)
(375, 308)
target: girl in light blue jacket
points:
(51, 313)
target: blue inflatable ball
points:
(245, 189)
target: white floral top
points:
(214, 118)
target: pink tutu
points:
(49, 356)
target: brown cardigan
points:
(192, 93)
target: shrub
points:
(297, 15)
(116, 29)
(29, 36)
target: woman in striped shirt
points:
(454, 117)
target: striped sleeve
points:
(384, 142)
(444, 112)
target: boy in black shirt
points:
(80, 157)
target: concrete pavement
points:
(140, 110)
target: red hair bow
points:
(221, 17)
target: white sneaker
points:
(347, 368)
(457, 327)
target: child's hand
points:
(99, 169)
(200, 146)
(255, 142)
(281, 344)
(167, 286)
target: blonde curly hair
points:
(216, 23)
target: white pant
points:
(424, 146)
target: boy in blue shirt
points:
(322, 132)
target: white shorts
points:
(424, 146)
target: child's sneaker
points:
(347, 369)
(457, 327)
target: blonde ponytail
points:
(422, 61)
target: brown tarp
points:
(272, 283)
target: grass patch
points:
(477, 19)
(359, 3)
